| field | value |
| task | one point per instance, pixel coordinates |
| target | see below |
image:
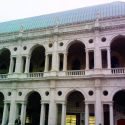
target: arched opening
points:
(1, 106)
(76, 56)
(119, 107)
(75, 108)
(37, 61)
(4, 61)
(33, 109)
(118, 52)
(76, 64)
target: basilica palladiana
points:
(65, 68)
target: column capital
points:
(44, 102)
(110, 103)
(24, 102)
(28, 56)
(86, 49)
(65, 53)
(108, 48)
(21, 102)
(89, 102)
(46, 54)
(61, 102)
(86, 103)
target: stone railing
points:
(118, 70)
(35, 75)
(77, 73)
(3, 76)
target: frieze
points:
(67, 32)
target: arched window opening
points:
(37, 61)
(33, 109)
(4, 61)
(115, 62)
(76, 56)
(118, 52)
(1, 107)
(91, 59)
(119, 106)
(61, 58)
(76, 64)
(104, 58)
(75, 108)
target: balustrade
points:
(112, 71)
(35, 75)
(75, 73)
(3, 76)
(118, 70)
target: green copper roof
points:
(110, 10)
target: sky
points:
(17, 9)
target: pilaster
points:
(12, 114)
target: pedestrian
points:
(18, 121)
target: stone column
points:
(65, 62)
(111, 114)
(11, 66)
(55, 61)
(63, 117)
(86, 114)
(97, 52)
(5, 114)
(52, 105)
(12, 114)
(98, 107)
(42, 114)
(18, 67)
(23, 113)
(109, 58)
(87, 59)
(55, 56)
(27, 66)
(102, 114)
(46, 64)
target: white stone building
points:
(64, 68)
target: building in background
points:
(64, 68)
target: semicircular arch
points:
(26, 96)
(5, 49)
(114, 37)
(69, 91)
(71, 42)
(115, 92)
(33, 47)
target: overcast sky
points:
(16, 9)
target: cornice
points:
(59, 34)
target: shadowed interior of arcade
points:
(37, 61)
(1, 106)
(75, 112)
(76, 56)
(118, 52)
(119, 107)
(4, 61)
(33, 109)
(75, 108)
